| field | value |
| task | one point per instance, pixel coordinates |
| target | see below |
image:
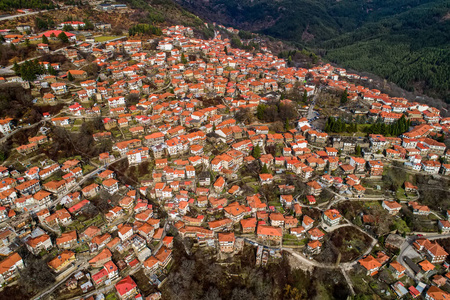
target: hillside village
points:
(194, 145)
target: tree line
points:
(338, 125)
(278, 111)
(144, 29)
(34, 4)
(29, 69)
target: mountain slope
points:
(404, 41)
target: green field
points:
(105, 38)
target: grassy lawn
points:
(290, 239)
(87, 169)
(97, 220)
(401, 193)
(402, 226)
(105, 38)
(75, 226)
(62, 160)
(277, 205)
(81, 248)
(111, 296)
(116, 132)
(254, 186)
(432, 217)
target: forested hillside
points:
(7, 5)
(405, 41)
(163, 11)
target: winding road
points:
(343, 267)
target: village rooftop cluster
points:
(200, 195)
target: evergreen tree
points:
(29, 69)
(286, 125)
(260, 110)
(51, 71)
(305, 96)
(88, 25)
(67, 27)
(226, 50)
(70, 77)
(183, 59)
(45, 40)
(16, 68)
(264, 169)
(256, 153)
(358, 150)
(27, 43)
(63, 38)
(344, 97)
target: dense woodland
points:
(406, 42)
(200, 276)
(338, 125)
(160, 11)
(7, 5)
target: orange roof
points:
(426, 265)
(397, 266)
(226, 237)
(246, 223)
(369, 262)
(33, 242)
(235, 209)
(219, 182)
(76, 72)
(10, 261)
(307, 220)
(66, 237)
(436, 293)
(110, 182)
(314, 244)
(265, 176)
(151, 261)
(316, 232)
(163, 253)
(91, 231)
(314, 184)
(269, 230)
(332, 214)
(392, 204)
(101, 256)
(61, 259)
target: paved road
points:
(9, 71)
(346, 265)
(81, 264)
(406, 249)
(3, 139)
(84, 178)
(349, 281)
(311, 113)
(5, 18)
(105, 289)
